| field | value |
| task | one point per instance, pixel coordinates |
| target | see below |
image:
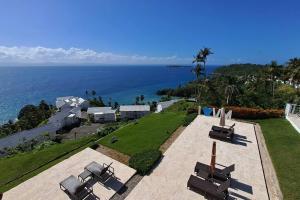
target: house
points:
(134, 111)
(165, 104)
(102, 114)
(71, 101)
(67, 117)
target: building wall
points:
(107, 117)
(159, 108)
(69, 121)
(133, 114)
(85, 105)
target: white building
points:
(134, 111)
(71, 101)
(66, 117)
(102, 114)
(165, 104)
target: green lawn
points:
(148, 133)
(14, 167)
(283, 143)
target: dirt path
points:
(82, 131)
(113, 154)
(171, 139)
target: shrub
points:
(114, 139)
(144, 161)
(107, 130)
(189, 118)
(57, 139)
(94, 145)
(254, 113)
(191, 110)
(44, 145)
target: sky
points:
(55, 32)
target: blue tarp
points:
(207, 111)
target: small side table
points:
(84, 175)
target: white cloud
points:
(48, 56)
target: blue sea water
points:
(29, 85)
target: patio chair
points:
(203, 171)
(101, 172)
(222, 135)
(223, 129)
(209, 188)
(75, 189)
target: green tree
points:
(116, 105)
(205, 52)
(198, 70)
(293, 70)
(43, 105)
(137, 100)
(142, 97)
(273, 72)
(230, 90)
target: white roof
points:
(70, 100)
(100, 110)
(71, 115)
(64, 98)
(166, 104)
(135, 108)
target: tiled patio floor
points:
(45, 185)
(168, 181)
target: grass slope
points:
(148, 133)
(16, 166)
(283, 143)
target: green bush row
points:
(144, 161)
(254, 113)
(189, 118)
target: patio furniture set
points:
(82, 186)
(222, 133)
(210, 180)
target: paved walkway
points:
(295, 121)
(169, 179)
(45, 186)
(50, 128)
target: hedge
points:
(144, 161)
(254, 113)
(189, 118)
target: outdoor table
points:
(84, 175)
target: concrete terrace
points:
(169, 178)
(46, 184)
(294, 119)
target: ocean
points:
(29, 85)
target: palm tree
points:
(205, 52)
(198, 70)
(142, 97)
(273, 71)
(229, 91)
(110, 102)
(137, 99)
(201, 57)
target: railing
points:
(218, 114)
(292, 109)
